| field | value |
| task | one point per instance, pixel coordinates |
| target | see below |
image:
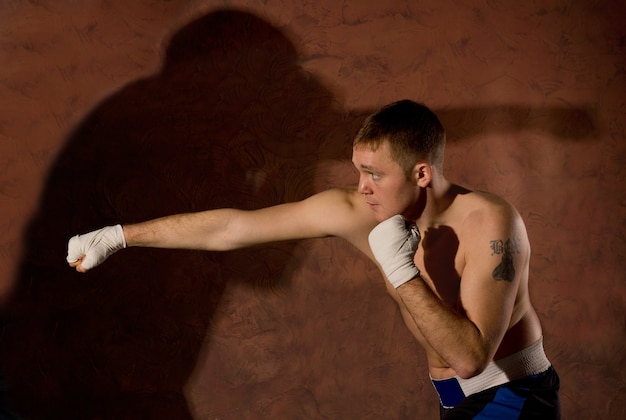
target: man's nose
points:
(364, 187)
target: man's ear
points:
(423, 174)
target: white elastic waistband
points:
(527, 362)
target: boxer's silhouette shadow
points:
(230, 121)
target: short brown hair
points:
(413, 131)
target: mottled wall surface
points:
(118, 111)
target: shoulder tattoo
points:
(506, 269)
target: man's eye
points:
(375, 176)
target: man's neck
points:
(439, 197)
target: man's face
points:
(383, 182)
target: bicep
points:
(329, 213)
(496, 262)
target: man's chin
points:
(380, 214)
(381, 217)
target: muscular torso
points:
(441, 258)
(433, 260)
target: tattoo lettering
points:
(506, 269)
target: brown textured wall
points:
(123, 110)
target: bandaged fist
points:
(91, 249)
(394, 243)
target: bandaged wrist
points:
(403, 275)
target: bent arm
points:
(466, 338)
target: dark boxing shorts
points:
(520, 386)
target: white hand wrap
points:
(95, 246)
(394, 245)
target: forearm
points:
(208, 230)
(454, 337)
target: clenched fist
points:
(91, 249)
(394, 243)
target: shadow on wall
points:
(231, 121)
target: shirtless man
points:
(456, 261)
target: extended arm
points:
(330, 213)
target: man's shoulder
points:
(484, 210)
(341, 206)
(488, 219)
(477, 201)
(342, 212)
(336, 197)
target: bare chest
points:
(440, 259)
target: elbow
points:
(222, 231)
(469, 371)
(476, 357)
(472, 366)
(223, 242)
